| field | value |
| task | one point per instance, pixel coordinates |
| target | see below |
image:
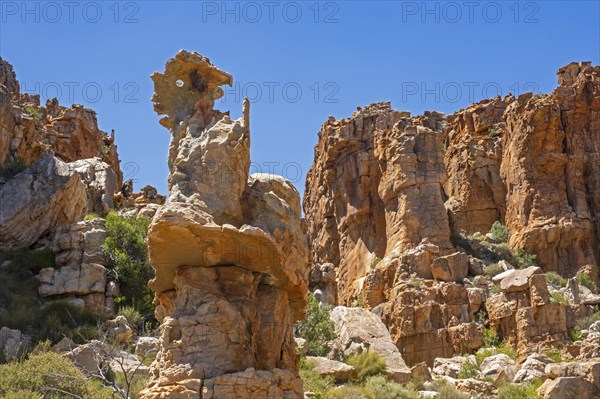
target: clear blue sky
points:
(340, 54)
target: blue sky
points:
(299, 62)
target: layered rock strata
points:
(228, 250)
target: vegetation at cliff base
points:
(126, 248)
(316, 328)
(48, 375)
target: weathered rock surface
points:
(46, 195)
(11, 344)
(375, 186)
(118, 330)
(340, 372)
(28, 130)
(228, 249)
(568, 388)
(358, 330)
(550, 163)
(532, 368)
(526, 319)
(475, 190)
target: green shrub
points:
(522, 259)
(587, 282)
(492, 270)
(468, 370)
(519, 391)
(48, 376)
(33, 112)
(126, 248)
(60, 319)
(447, 391)
(90, 217)
(556, 280)
(554, 354)
(378, 387)
(374, 262)
(585, 322)
(345, 392)
(316, 328)
(493, 132)
(367, 363)
(560, 298)
(499, 232)
(313, 381)
(132, 315)
(490, 337)
(575, 334)
(11, 168)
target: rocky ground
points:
(445, 256)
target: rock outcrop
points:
(375, 187)
(473, 142)
(46, 195)
(550, 162)
(228, 250)
(358, 330)
(28, 130)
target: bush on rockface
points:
(48, 375)
(499, 232)
(316, 328)
(11, 168)
(126, 248)
(587, 282)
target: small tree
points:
(125, 245)
(499, 232)
(316, 328)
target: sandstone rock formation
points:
(228, 250)
(28, 130)
(81, 267)
(473, 140)
(47, 194)
(358, 330)
(531, 162)
(550, 162)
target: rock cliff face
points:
(375, 187)
(531, 162)
(28, 130)
(389, 200)
(230, 256)
(550, 167)
(475, 190)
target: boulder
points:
(501, 368)
(11, 344)
(568, 388)
(450, 367)
(340, 372)
(451, 268)
(532, 368)
(47, 194)
(147, 347)
(74, 280)
(359, 330)
(518, 280)
(100, 181)
(118, 330)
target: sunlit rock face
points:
(230, 256)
